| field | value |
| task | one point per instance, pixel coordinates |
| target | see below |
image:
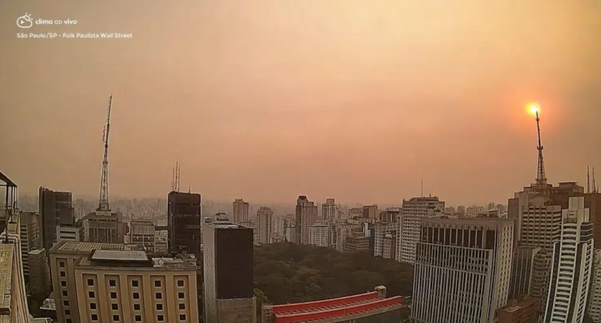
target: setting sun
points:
(533, 108)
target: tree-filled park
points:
(289, 273)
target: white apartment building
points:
(572, 265)
(264, 225)
(240, 214)
(306, 216)
(462, 270)
(319, 235)
(594, 302)
(329, 210)
(381, 230)
(412, 214)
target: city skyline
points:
(335, 100)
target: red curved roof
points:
(337, 312)
(327, 303)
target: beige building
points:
(265, 225)
(142, 233)
(104, 227)
(63, 257)
(30, 237)
(39, 275)
(306, 216)
(129, 286)
(240, 213)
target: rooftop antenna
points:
(588, 181)
(103, 201)
(177, 176)
(596, 189)
(541, 179)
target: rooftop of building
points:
(142, 221)
(37, 251)
(133, 260)
(84, 248)
(6, 273)
(227, 225)
(482, 221)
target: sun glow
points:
(533, 108)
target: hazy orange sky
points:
(266, 100)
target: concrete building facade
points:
(228, 273)
(241, 210)
(319, 235)
(572, 265)
(329, 210)
(306, 216)
(129, 286)
(142, 233)
(56, 208)
(413, 212)
(31, 238)
(462, 270)
(264, 225)
(69, 233)
(184, 220)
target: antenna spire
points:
(541, 179)
(103, 201)
(595, 188)
(588, 181)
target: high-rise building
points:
(329, 210)
(594, 302)
(412, 213)
(104, 227)
(572, 265)
(281, 225)
(69, 233)
(306, 216)
(524, 258)
(142, 233)
(370, 211)
(56, 208)
(183, 218)
(381, 230)
(318, 235)
(39, 278)
(228, 273)
(264, 225)
(130, 286)
(389, 245)
(462, 269)
(30, 237)
(241, 209)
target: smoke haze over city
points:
(267, 100)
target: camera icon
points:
(25, 21)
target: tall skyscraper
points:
(329, 210)
(412, 213)
(56, 208)
(306, 216)
(228, 273)
(572, 265)
(319, 235)
(462, 269)
(183, 218)
(265, 224)
(241, 209)
(30, 237)
(594, 302)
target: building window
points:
(134, 283)
(136, 295)
(138, 318)
(64, 283)
(90, 282)
(159, 307)
(158, 296)
(182, 317)
(61, 264)
(180, 283)
(112, 283)
(180, 295)
(182, 306)
(115, 307)
(160, 318)
(63, 274)
(92, 306)
(113, 295)
(67, 312)
(157, 283)
(64, 293)
(94, 317)
(69, 321)
(91, 294)
(115, 318)
(66, 303)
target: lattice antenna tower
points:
(103, 201)
(541, 179)
(588, 181)
(595, 188)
